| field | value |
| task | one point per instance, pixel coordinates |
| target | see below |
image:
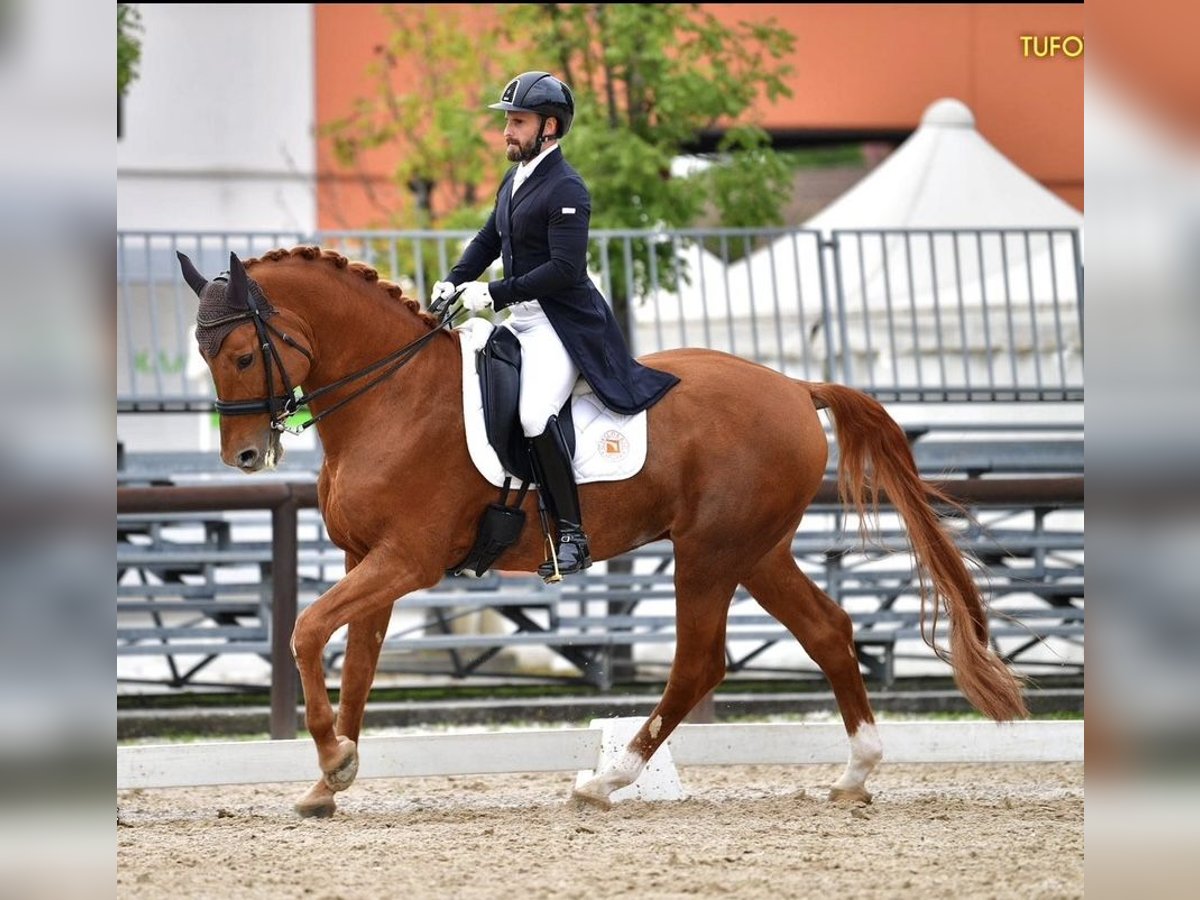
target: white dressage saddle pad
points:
(608, 446)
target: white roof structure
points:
(954, 248)
(953, 267)
(947, 175)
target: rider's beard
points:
(521, 152)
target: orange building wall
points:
(344, 39)
(856, 66)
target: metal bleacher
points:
(192, 587)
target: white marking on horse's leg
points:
(655, 726)
(622, 774)
(866, 750)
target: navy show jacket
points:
(542, 236)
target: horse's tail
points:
(873, 455)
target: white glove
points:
(475, 296)
(442, 291)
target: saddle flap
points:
(499, 364)
(500, 385)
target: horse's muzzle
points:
(257, 455)
(250, 460)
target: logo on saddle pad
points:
(613, 445)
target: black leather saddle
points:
(499, 364)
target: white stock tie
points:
(519, 178)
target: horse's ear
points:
(238, 282)
(195, 280)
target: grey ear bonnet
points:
(221, 310)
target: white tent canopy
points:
(1004, 284)
(953, 267)
(947, 175)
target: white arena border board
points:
(579, 749)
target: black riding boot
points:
(556, 480)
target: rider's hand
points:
(475, 296)
(442, 291)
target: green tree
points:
(436, 119)
(129, 46)
(432, 78)
(650, 80)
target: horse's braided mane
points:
(362, 270)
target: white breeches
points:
(548, 374)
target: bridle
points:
(281, 407)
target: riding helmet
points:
(541, 93)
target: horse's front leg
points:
(363, 599)
(364, 640)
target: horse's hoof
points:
(341, 774)
(584, 797)
(315, 809)
(852, 795)
(318, 803)
(593, 793)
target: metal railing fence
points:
(907, 315)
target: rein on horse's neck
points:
(366, 337)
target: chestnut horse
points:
(399, 494)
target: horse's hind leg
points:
(364, 638)
(702, 608)
(825, 631)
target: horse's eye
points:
(244, 361)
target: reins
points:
(282, 406)
(401, 358)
